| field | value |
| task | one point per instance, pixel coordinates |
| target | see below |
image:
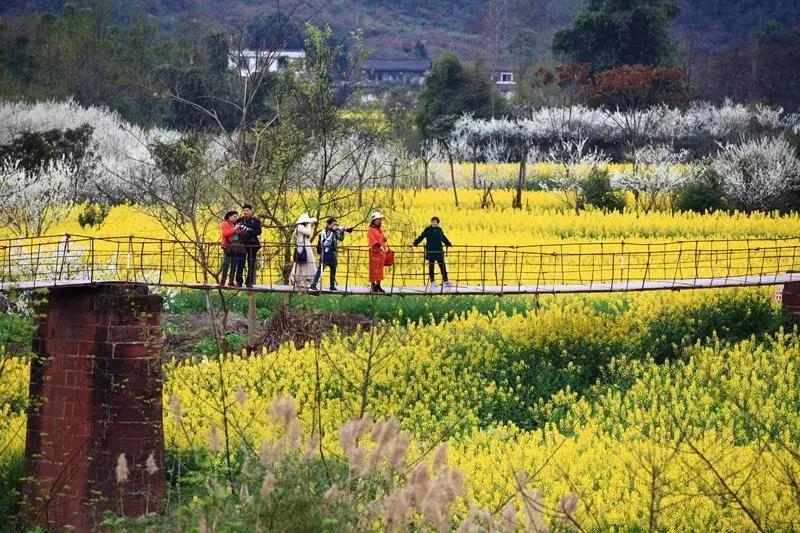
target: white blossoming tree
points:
(31, 203)
(573, 162)
(659, 173)
(757, 174)
(428, 151)
(697, 124)
(121, 148)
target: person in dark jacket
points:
(251, 229)
(328, 251)
(435, 240)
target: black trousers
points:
(328, 262)
(234, 262)
(442, 268)
(252, 252)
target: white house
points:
(505, 82)
(248, 62)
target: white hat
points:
(375, 216)
(304, 219)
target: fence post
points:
(91, 259)
(503, 273)
(496, 280)
(483, 270)
(160, 259)
(64, 257)
(130, 259)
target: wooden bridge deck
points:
(456, 290)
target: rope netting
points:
(573, 267)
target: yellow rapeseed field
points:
(636, 448)
(543, 221)
(464, 379)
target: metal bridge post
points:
(91, 259)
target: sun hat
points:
(375, 216)
(304, 219)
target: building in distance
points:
(248, 62)
(395, 71)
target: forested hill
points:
(522, 28)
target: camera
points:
(339, 229)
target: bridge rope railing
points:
(582, 266)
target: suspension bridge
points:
(98, 370)
(571, 267)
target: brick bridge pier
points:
(95, 394)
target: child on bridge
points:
(434, 238)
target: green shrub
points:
(93, 215)
(408, 309)
(596, 191)
(703, 193)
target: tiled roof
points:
(405, 65)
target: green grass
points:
(407, 308)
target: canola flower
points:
(635, 448)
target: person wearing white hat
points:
(305, 265)
(378, 246)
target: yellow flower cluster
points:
(14, 373)
(542, 220)
(638, 453)
(708, 444)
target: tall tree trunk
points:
(474, 174)
(393, 182)
(517, 203)
(251, 319)
(453, 178)
(426, 165)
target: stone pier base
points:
(95, 394)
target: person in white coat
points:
(304, 266)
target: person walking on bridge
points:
(251, 229)
(329, 250)
(232, 250)
(434, 238)
(305, 266)
(378, 247)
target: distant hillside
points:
(393, 28)
(715, 25)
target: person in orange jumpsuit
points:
(377, 252)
